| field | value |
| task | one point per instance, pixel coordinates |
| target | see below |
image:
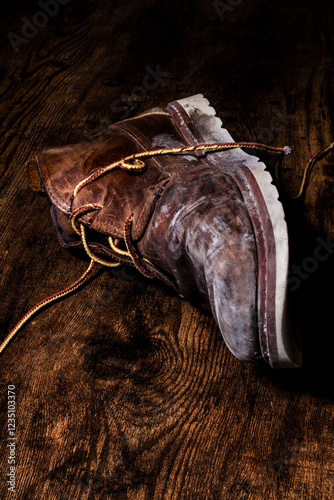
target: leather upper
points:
(189, 220)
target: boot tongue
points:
(60, 170)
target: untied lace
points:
(134, 163)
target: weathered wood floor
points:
(124, 390)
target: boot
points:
(171, 194)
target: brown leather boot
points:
(209, 224)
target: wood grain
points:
(123, 390)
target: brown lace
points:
(306, 175)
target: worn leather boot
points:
(207, 223)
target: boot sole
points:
(198, 123)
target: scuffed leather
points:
(190, 220)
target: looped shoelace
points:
(134, 163)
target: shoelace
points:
(317, 157)
(132, 163)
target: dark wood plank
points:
(124, 390)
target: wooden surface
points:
(124, 391)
